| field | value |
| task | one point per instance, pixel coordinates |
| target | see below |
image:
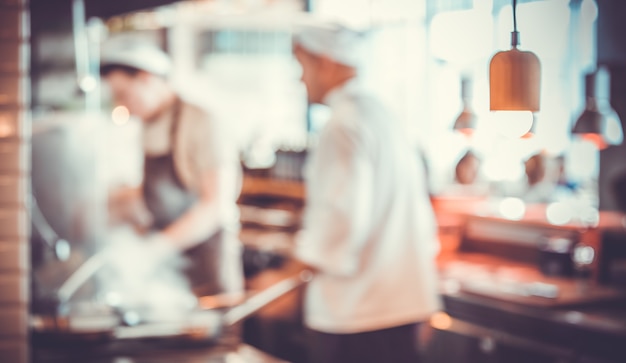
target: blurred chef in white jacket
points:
(369, 228)
(191, 173)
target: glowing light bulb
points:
(88, 83)
(512, 208)
(502, 167)
(513, 124)
(559, 213)
(120, 115)
(590, 216)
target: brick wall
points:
(14, 176)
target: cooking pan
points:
(96, 324)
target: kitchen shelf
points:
(257, 186)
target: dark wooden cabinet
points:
(483, 330)
(463, 342)
(592, 360)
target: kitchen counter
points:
(508, 304)
(142, 353)
(229, 345)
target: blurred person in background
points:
(369, 229)
(542, 174)
(191, 177)
(467, 169)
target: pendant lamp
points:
(532, 131)
(598, 122)
(466, 121)
(514, 77)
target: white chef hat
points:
(142, 56)
(336, 41)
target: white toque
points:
(336, 41)
(145, 57)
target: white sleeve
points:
(337, 219)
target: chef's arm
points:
(200, 221)
(126, 207)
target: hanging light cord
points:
(515, 33)
(514, 16)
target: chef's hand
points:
(126, 207)
(157, 251)
(137, 257)
(143, 273)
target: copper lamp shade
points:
(593, 124)
(466, 121)
(514, 77)
(531, 133)
(514, 81)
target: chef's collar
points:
(334, 95)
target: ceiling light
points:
(514, 77)
(466, 121)
(598, 123)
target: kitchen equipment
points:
(555, 256)
(612, 260)
(60, 246)
(97, 324)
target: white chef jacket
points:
(369, 226)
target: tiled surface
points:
(13, 256)
(10, 50)
(11, 89)
(10, 22)
(13, 156)
(14, 165)
(14, 90)
(12, 222)
(13, 351)
(12, 190)
(13, 321)
(13, 288)
(10, 122)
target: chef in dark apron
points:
(189, 186)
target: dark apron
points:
(167, 199)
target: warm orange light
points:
(595, 139)
(529, 135)
(441, 321)
(220, 301)
(467, 132)
(6, 128)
